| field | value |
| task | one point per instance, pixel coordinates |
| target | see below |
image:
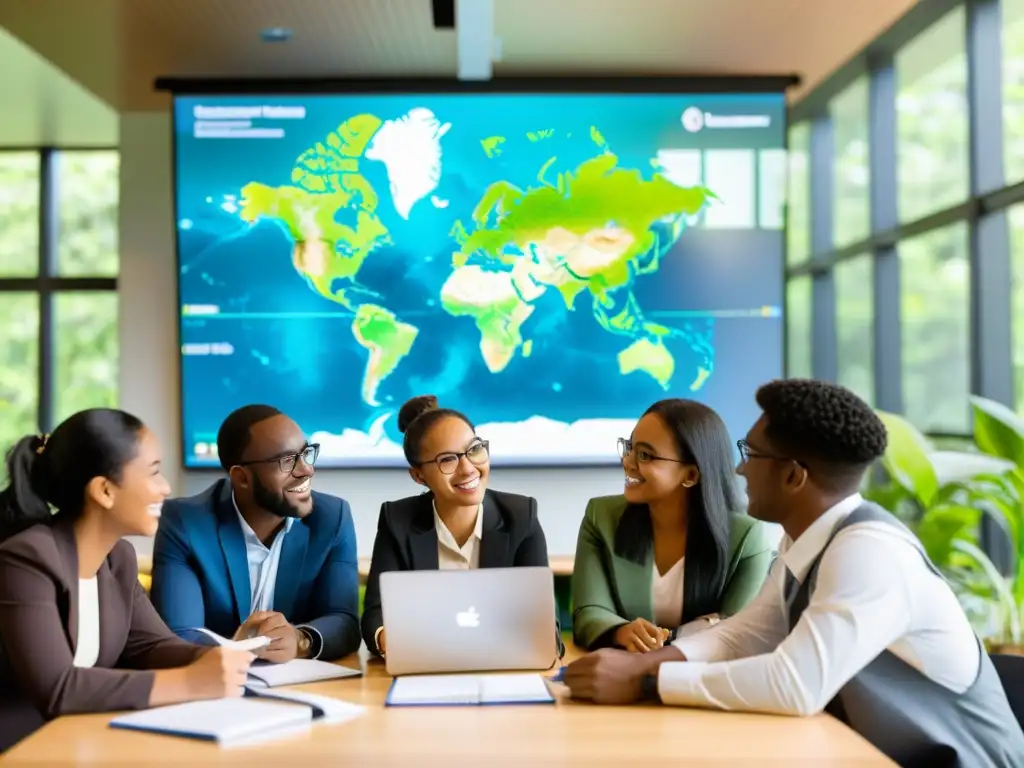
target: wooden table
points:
(561, 565)
(568, 734)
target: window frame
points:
(984, 210)
(47, 282)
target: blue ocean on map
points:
(526, 258)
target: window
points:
(798, 328)
(19, 214)
(87, 193)
(19, 365)
(931, 116)
(60, 289)
(851, 219)
(1016, 216)
(1013, 89)
(855, 326)
(935, 322)
(86, 346)
(798, 220)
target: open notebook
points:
(297, 672)
(234, 722)
(451, 690)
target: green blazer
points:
(608, 590)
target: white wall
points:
(149, 359)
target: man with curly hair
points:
(853, 620)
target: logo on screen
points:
(468, 618)
(693, 119)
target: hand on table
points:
(284, 638)
(218, 674)
(640, 636)
(607, 676)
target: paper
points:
(513, 688)
(226, 721)
(469, 689)
(435, 689)
(297, 672)
(326, 709)
(249, 644)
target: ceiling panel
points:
(116, 48)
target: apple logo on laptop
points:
(468, 618)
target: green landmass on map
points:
(589, 230)
(387, 340)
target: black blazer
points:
(407, 541)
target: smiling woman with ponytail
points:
(77, 632)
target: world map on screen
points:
(586, 233)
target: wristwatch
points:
(649, 688)
(304, 641)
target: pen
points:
(559, 676)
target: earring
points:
(687, 484)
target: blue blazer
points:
(201, 573)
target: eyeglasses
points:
(287, 463)
(642, 455)
(478, 453)
(747, 453)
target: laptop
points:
(487, 619)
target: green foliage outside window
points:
(85, 330)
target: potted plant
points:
(943, 496)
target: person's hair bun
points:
(413, 408)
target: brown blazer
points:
(39, 625)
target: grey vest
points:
(908, 716)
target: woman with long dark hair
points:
(77, 632)
(676, 549)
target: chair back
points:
(1010, 669)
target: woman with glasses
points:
(458, 523)
(675, 551)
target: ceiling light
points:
(276, 35)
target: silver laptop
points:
(469, 621)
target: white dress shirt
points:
(667, 595)
(873, 592)
(87, 641)
(452, 557)
(263, 564)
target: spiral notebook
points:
(467, 690)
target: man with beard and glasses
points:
(259, 553)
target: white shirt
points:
(263, 562)
(452, 557)
(873, 592)
(87, 642)
(667, 595)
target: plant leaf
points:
(951, 466)
(940, 526)
(906, 458)
(1011, 617)
(998, 431)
